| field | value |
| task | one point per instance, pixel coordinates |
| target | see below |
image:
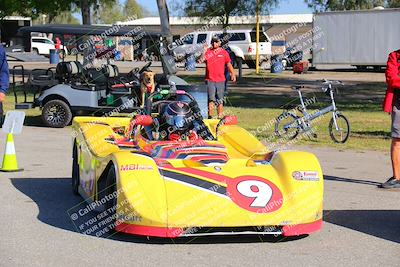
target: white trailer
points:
(357, 38)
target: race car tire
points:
(56, 114)
(111, 196)
(75, 171)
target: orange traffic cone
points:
(10, 159)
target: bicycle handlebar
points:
(325, 81)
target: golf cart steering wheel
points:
(133, 74)
(145, 67)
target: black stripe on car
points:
(213, 187)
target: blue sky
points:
(285, 6)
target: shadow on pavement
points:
(35, 121)
(383, 224)
(55, 201)
(348, 180)
(53, 196)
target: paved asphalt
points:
(362, 223)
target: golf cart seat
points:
(116, 83)
(42, 78)
(69, 70)
(96, 77)
(111, 71)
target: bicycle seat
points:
(297, 87)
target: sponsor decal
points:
(129, 218)
(305, 175)
(135, 167)
(254, 194)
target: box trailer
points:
(357, 38)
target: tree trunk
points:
(85, 7)
(167, 60)
(86, 20)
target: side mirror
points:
(143, 120)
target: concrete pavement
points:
(362, 222)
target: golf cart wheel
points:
(75, 171)
(56, 114)
(341, 134)
(35, 50)
(287, 126)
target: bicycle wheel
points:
(287, 125)
(342, 132)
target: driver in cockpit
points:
(177, 123)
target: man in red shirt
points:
(391, 104)
(216, 59)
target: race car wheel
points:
(111, 196)
(56, 114)
(75, 171)
(287, 126)
(342, 132)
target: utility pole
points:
(257, 36)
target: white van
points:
(241, 42)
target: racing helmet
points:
(179, 115)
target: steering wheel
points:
(133, 74)
(145, 67)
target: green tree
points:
(33, 8)
(86, 7)
(393, 3)
(223, 9)
(64, 17)
(110, 13)
(133, 9)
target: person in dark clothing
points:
(4, 80)
(225, 45)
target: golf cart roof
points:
(113, 30)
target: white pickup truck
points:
(42, 45)
(241, 42)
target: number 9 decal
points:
(255, 194)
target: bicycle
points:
(296, 125)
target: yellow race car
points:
(173, 174)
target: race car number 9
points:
(255, 194)
(260, 191)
